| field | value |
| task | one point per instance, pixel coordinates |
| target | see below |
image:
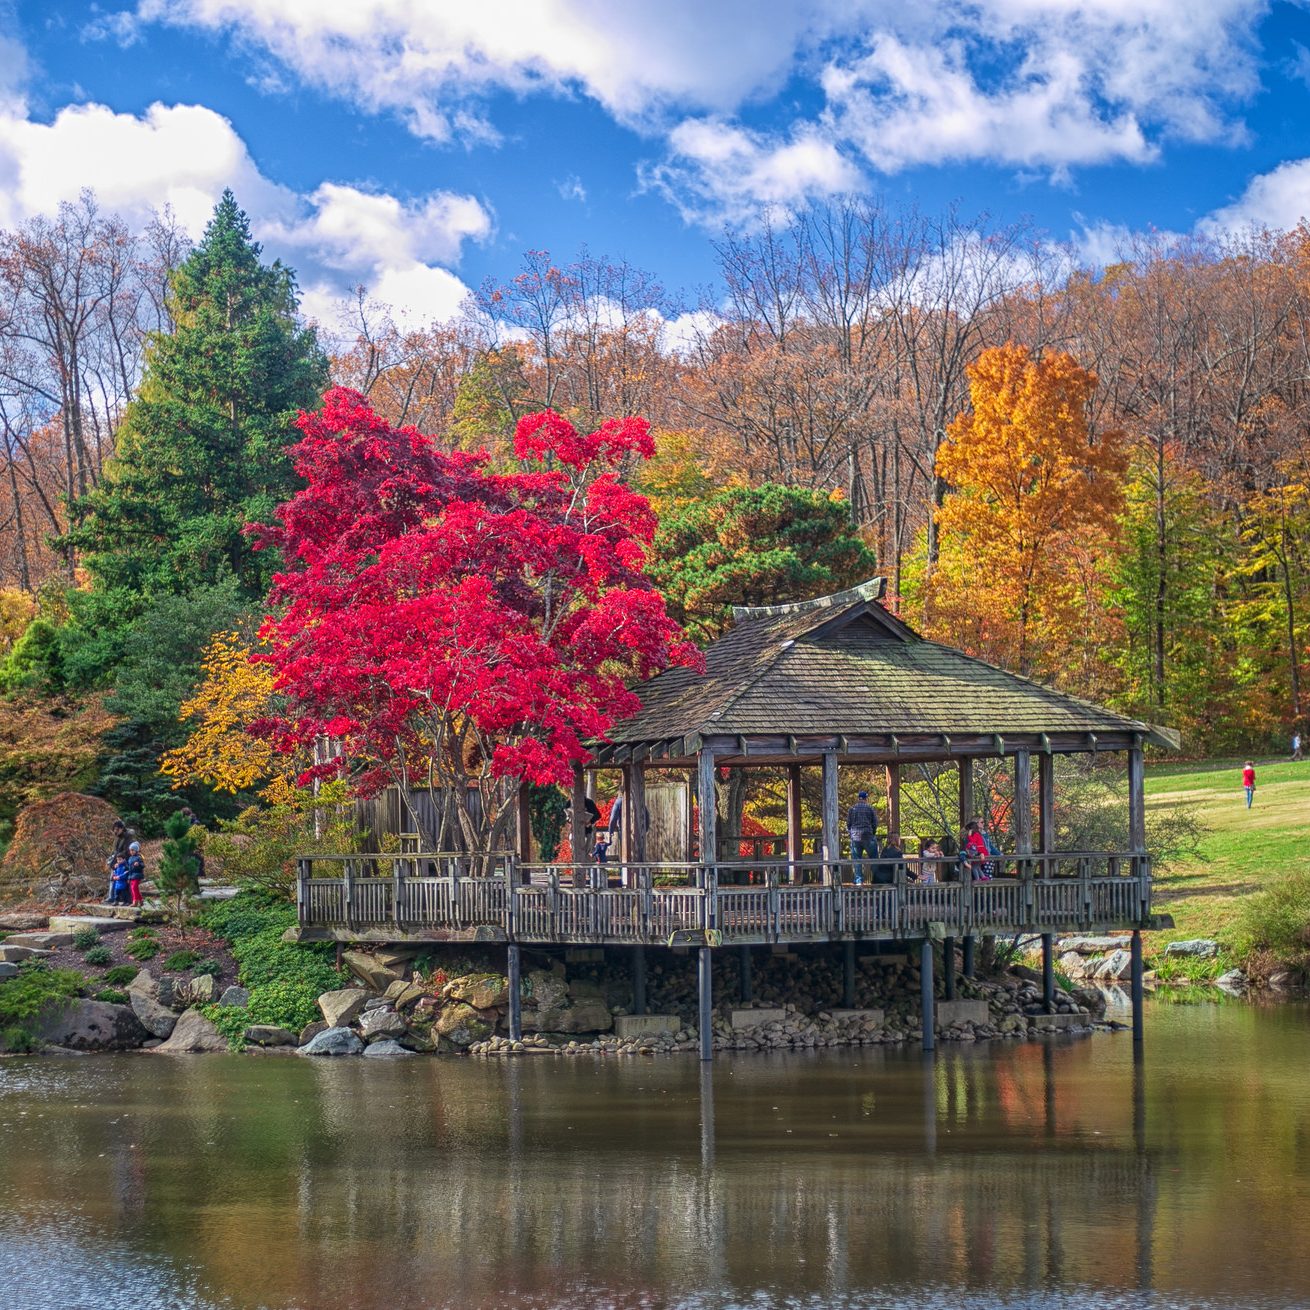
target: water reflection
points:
(1035, 1175)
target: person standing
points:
(136, 870)
(1296, 745)
(862, 829)
(1248, 781)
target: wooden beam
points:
(1046, 803)
(794, 844)
(831, 830)
(1137, 801)
(1023, 803)
(965, 767)
(706, 802)
(578, 817)
(524, 826)
(893, 799)
(635, 814)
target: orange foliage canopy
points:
(1027, 525)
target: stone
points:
(1282, 981)
(545, 990)
(8, 970)
(371, 971)
(419, 1039)
(381, 1023)
(949, 1012)
(235, 996)
(199, 990)
(22, 921)
(752, 1018)
(1201, 948)
(1057, 1020)
(1091, 945)
(193, 1035)
(267, 1034)
(1233, 981)
(92, 1026)
(460, 1024)
(310, 1031)
(1074, 964)
(1116, 966)
(146, 983)
(342, 1007)
(645, 1025)
(11, 954)
(403, 995)
(874, 1018)
(387, 1047)
(587, 1016)
(584, 988)
(333, 1041)
(60, 923)
(484, 991)
(155, 1018)
(42, 941)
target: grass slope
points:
(1240, 851)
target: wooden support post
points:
(1046, 806)
(523, 846)
(927, 1017)
(1136, 801)
(747, 988)
(831, 830)
(706, 803)
(621, 854)
(705, 979)
(515, 979)
(948, 964)
(1138, 988)
(968, 956)
(894, 800)
(1023, 803)
(795, 844)
(634, 815)
(848, 975)
(578, 826)
(966, 794)
(1048, 972)
(639, 980)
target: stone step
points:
(43, 941)
(949, 1012)
(753, 1018)
(645, 1025)
(1058, 1020)
(100, 922)
(12, 954)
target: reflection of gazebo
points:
(819, 684)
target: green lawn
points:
(1240, 850)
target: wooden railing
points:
(679, 902)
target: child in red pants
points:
(136, 870)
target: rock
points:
(371, 971)
(380, 1023)
(373, 1003)
(92, 1026)
(11, 954)
(235, 996)
(587, 1016)
(310, 1031)
(43, 941)
(584, 988)
(342, 1007)
(389, 1047)
(102, 925)
(483, 991)
(193, 1035)
(333, 1041)
(8, 970)
(545, 990)
(199, 990)
(1201, 948)
(22, 921)
(267, 1034)
(460, 1024)
(1282, 981)
(146, 983)
(1234, 981)
(404, 995)
(1116, 966)
(419, 1039)
(155, 1018)
(1091, 945)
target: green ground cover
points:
(1241, 851)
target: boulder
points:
(1201, 948)
(371, 971)
(11, 954)
(545, 990)
(1234, 981)
(333, 1041)
(387, 1047)
(157, 1020)
(587, 1016)
(342, 1007)
(461, 1024)
(1282, 981)
(102, 925)
(419, 1039)
(235, 996)
(267, 1034)
(483, 991)
(42, 941)
(8, 970)
(22, 921)
(379, 1023)
(199, 990)
(403, 995)
(92, 1026)
(193, 1035)
(1091, 945)
(1116, 966)
(310, 1031)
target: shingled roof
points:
(844, 665)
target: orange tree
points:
(1027, 526)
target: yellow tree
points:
(233, 693)
(1030, 515)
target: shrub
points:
(142, 933)
(1274, 924)
(180, 961)
(230, 1020)
(99, 956)
(112, 995)
(22, 999)
(17, 1040)
(120, 975)
(144, 948)
(211, 967)
(85, 938)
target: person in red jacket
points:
(1248, 781)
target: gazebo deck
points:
(430, 898)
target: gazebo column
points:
(894, 800)
(927, 1016)
(795, 842)
(708, 881)
(965, 767)
(1046, 844)
(831, 831)
(523, 825)
(634, 814)
(578, 826)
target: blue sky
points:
(418, 146)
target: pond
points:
(1015, 1175)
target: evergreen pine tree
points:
(178, 875)
(202, 448)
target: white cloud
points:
(571, 188)
(337, 237)
(721, 173)
(1277, 200)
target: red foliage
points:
(455, 624)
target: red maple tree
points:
(449, 625)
